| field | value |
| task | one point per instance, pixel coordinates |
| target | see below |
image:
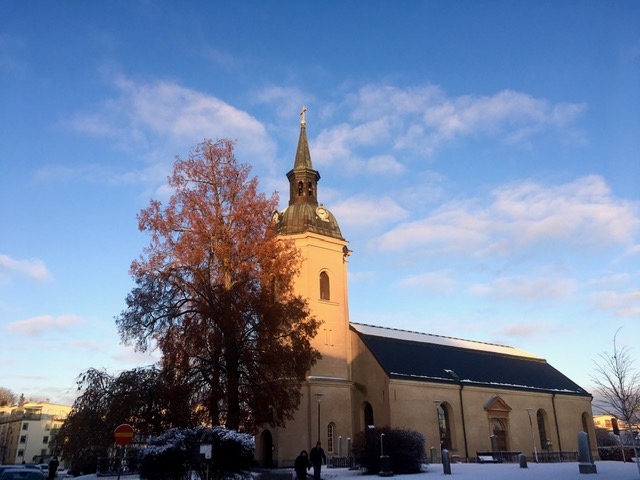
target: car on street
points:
(22, 474)
(3, 468)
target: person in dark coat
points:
(301, 465)
(53, 468)
(317, 458)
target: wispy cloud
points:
(368, 211)
(421, 119)
(11, 58)
(526, 288)
(620, 304)
(525, 214)
(527, 330)
(143, 114)
(33, 327)
(283, 100)
(442, 281)
(34, 269)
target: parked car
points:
(7, 467)
(22, 474)
(44, 467)
(3, 468)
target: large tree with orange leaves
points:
(214, 291)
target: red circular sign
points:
(123, 434)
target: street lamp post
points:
(385, 463)
(533, 438)
(319, 399)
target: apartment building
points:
(28, 431)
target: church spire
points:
(303, 179)
(303, 157)
(304, 214)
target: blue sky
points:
(482, 159)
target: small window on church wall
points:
(311, 189)
(324, 286)
(300, 188)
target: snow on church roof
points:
(440, 340)
(405, 355)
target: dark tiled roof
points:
(428, 358)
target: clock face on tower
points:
(322, 213)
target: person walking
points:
(317, 458)
(53, 468)
(301, 465)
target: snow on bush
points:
(176, 452)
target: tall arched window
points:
(368, 415)
(324, 286)
(300, 189)
(545, 443)
(331, 429)
(444, 426)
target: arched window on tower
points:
(325, 293)
(300, 188)
(310, 189)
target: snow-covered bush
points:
(405, 449)
(176, 452)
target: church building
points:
(462, 395)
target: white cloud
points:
(528, 289)
(285, 101)
(621, 304)
(634, 250)
(423, 118)
(364, 211)
(378, 165)
(528, 330)
(581, 213)
(337, 143)
(33, 269)
(385, 165)
(36, 326)
(442, 281)
(144, 114)
(375, 101)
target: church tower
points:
(325, 409)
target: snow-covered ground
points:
(475, 471)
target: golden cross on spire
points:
(303, 122)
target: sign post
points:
(122, 436)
